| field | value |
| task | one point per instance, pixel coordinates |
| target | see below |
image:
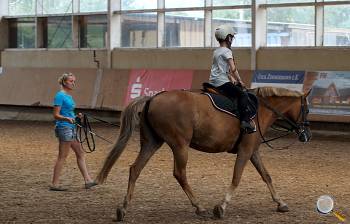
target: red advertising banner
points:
(148, 82)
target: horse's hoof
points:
(203, 213)
(282, 208)
(120, 214)
(218, 212)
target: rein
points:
(294, 125)
(85, 133)
(98, 119)
(289, 131)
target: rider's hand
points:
(241, 83)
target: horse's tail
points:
(129, 119)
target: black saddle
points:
(227, 105)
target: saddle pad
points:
(224, 104)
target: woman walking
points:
(66, 133)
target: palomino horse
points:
(186, 119)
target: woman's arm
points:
(57, 116)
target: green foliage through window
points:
(22, 33)
(59, 32)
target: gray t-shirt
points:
(220, 68)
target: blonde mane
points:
(275, 91)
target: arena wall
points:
(53, 58)
(309, 59)
(182, 58)
(30, 76)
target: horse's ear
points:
(308, 92)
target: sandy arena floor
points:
(301, 174)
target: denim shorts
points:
(66, 134)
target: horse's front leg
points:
(258, 164)
(242, 158)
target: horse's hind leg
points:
(149, 145)
(258, 164)
(180, 162)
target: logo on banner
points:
(144, 82)
(136, 88)
(292, 80)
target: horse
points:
(184, 119)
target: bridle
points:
(298, 126)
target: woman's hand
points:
(70, 120)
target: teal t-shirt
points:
(67, 105)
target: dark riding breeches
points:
(233, 91)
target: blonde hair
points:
(64, 78)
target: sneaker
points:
(247, 127)
(90, 185)
(57, 188)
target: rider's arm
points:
(234, 72)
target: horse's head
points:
(291, 107)
(298, 116)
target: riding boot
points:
(247, 127)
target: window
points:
(288, 23)
(230, 2)
(93, 6)
(184, 29)
(57, 6)
(183, 3)
(287, 1)
(240, 20)
(21, 7)
(337, 25)
(22, 33)
(294, 26)
(93, 30)
(59, 32)
(139, 30)
(138, 4)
